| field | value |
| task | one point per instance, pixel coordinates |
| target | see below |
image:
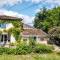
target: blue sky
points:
(25, 9)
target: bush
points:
(26, 49)
(32, 42)
(4, 50)
(23, 49)
(10, 51)
(58, 52)
(1, 50)
(42, 49)
(12, 44)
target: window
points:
(1, 38)
(34, 38)
(4, 38)
(3, 25)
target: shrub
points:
(42, 49)
(32, 41)
(23, 49)
(12, 44)
(1, 50)
(10, 51)
(26, 49)
(4, 50)
(58, 52)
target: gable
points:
(25, 26)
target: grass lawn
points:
(31, 57)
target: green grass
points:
(31, 57)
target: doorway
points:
(4, 38)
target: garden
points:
(32, 51)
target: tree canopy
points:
(47, 18)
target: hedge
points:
(26, 49)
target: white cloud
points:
(36, 1)
(52, 3)
(49, 1)
(26, 19)
(37, 10)
(12, 2)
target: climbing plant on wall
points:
(16, 30)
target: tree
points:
(54, 35)
(45, 19)
(40, 17)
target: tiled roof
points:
(5, 17)
(33, 31)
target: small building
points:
(37, 34)
(7, 23)
(6, 37)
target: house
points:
(37, 34)
(8, 23)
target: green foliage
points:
(40, 48)
(0, 32)
(32, 42)
(12, 44)
(16, 33)
(1, 50)
(23, 49)
(4, 50)
(26, 49)
(58, 52)
(49, 21)
(55, 32)
(54, 35)
(16, 23)
(9, 51)
(40, 18)
(45, 19)
(16, 29)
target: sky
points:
(25, 9)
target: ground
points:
(31, 57)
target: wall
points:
(38, 39)
(9, 25)
(42, 41)
(12, 39)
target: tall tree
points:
(40, 17)
(45, 19)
